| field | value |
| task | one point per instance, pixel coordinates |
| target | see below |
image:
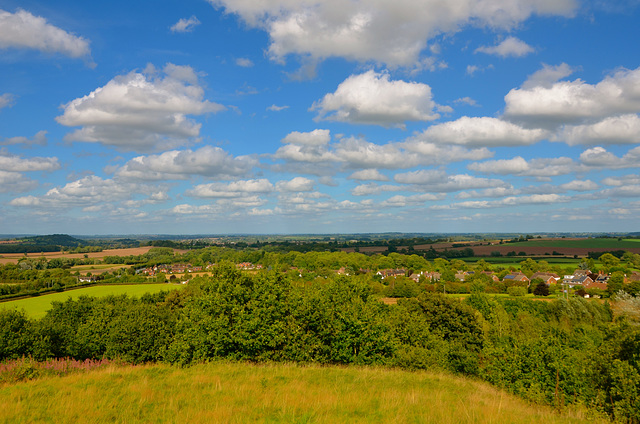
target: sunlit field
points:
(238, 393)
(36, 307)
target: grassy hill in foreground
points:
(235, 392)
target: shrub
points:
(516, 291)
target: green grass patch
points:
(36, 307)
(238, 393)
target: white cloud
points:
(185, 25)
(434, 154)
(244, 62)
(489, 192)
(313, 138)
(305, 153)
(359, 153)
(536, 199)
(483, 131)
(623, 180)
(24, 30)
(368, 175)
(232, 189)
(13, 163)
(394, 33)
(435, 181)
(547, 76)
(575, 102)
(599, 157)
(371, 98)
(510, 46)
(538, 167)
(579, 185)
(276, 108)
(6, 100)
(39, 139)
(208, 161)
(297, 184)
(466, 100)
(402, 201)
(87, 191)
(140, 112)
(373, 188)
(624, 129)
(15, 182)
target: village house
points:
(518, 276)
(547, 277)
(384, 273)
(576, 280)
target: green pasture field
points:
(222, 392)
(599, 243)
(36, 307)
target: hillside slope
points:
(236, 392)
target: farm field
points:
(240, 392)
(8, 258)
(36, 307)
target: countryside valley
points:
(558, 329)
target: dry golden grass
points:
(239, 393)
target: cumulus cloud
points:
(536, 199)
(415, 200)
(208, 161)
(510, 46)
(15, 182)
(371, 98)
(232, 189)
(22, 30)
(538, 167)
(353, 152)
(141, 111)
(547, 76)
(297, 184)
(87, 191)
(13, 163)
(483, 131)
(368, 175)
(373, 188)
(575, 102)
(185, 25)
(599, 157)
(394, 33)
(579, 185)
(621, 181)
(436, 181)
(6, 100)
(312, 138)
(39, 139)
(488, 192)
(624, 129)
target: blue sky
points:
(307, 116)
